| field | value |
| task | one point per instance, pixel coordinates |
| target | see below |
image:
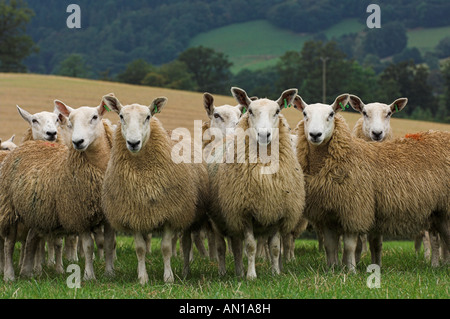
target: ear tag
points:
(343, 107)
(106, 108)
(244, 110)
(156, 109)
(396, 108)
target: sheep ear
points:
(62, 119)
(25, 115)
(208, 103)
(11, 139)
(241, 96)
(287, 97)
(254, 98)
(398, 104)
(157, 105)
(110, 103)
(63, 108)
(340, 103)
(299, 104)
(356, 103)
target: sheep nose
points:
(52, 135)
(377, 134)
(78, 143)
(264, 134)
(315, 135)
(133, 145)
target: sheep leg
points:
(148, 243)
(434, 242)
(287, 242)
(442, 227)
(50, 250)
(376, 246)
(166, 248)
(186, 243)
(274, 249)
(88, 248)
(426, 245)
(236, 247)
(250, 247)
(418, 243)
(10, 241)
(174, 245)
(109, 243)
(200, 244)
(140, 247)
(221, 252)
(70, 248)
(58, 244)
(99, 241)
(350, 243)
(31, 246)
(331, 242)
(212, 247)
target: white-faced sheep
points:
(223, 120)
(261, 190)
(54, 189)
(396, 187)
(375, 126)
(8, 145)
(145, 190)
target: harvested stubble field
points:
(403, 275)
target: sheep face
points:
(263, 114)
(44, 125)
(8, 145)
(225, 117)
(319, 118)
(376, 116)
(83, 126)
(135, 120)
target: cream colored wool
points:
(145, 191)
(54, 189)
(395, 186)
(245, 196)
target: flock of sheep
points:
(77, 176)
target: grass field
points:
(403, 276)
(35, 93)
(257, 44)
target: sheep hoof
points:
(251, 276)
(168, 278)
(143, 279)
(110, 273)
(89, 277)
(9, 278)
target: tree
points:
(444, 111)
(73, 66)
(443, 48)
(15, 44)
(210, 69)
(406, 79)
(386, 41)
(135, 72)
(173, 75)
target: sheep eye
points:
(147, 118)
(35, 121)
(277, 112)
(95, 117)
(121, 117)
(304, 114)
(365, 114)
(250, 112)
(389, 114)
(216, 115)
(331, 114)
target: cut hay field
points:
(35, 93)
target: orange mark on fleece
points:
(49, 144)
(417, 136)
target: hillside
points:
(258, 44)
(36, 93)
